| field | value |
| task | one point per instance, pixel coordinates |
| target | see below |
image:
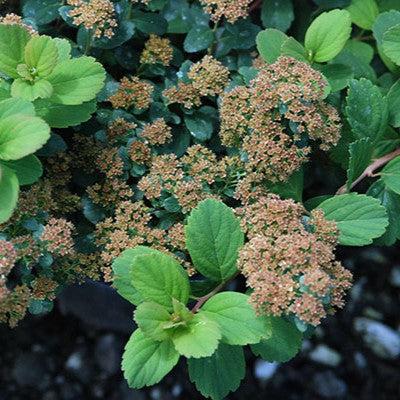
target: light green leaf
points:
(122, 269)
(219, 374)
(76, 81)
(213, 238)
(159, 278)
(63, 48)
(41, 55)
(13, 39)
(199, 339)
(28, 169)
(360, 218)
(391, 201)
(391, 175)
(16, 106)
(277, 14)
(391, 44)
(145, 362)
(292, 48)
(393, 98)
(283, 344)
(269, 43)
(30, 91)
(367, 109)
(62, 116)
(236, 318)
(151, 318)
(327, 35)
(9, 189)
(21, 135)
(360, 157)
(363, 13)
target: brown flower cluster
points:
(8, 257)
(118, 129)
(232, 10)
(156, 133)
(57, 236)
(132, 92)
(95, 15)
(274, 119)
(14, 19)
(208, 77)
(157, 50)
(289, 261)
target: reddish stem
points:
(369, 172)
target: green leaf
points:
(200, 123)
(383, 23)
(367, 110)
(76, 81)
(283, 344)
(391, 201)
(199, 339)
(28, 169)
(236, 318)
(338, 75)
(269, 44)
(292, 188)
(150, 22)
(13, 39)
(21, 135)
(363, 13)
(145, 362)
(213, 238)
(122, 34)
(198, 38)
(393, 98)
(391, 175)
(292, 48)
(327, 35)
(16, 106)
(42, 11)
(9, 189)
(159, 278)
(277, 14)
(63, 49)
(151, 318)
(122, 269)
(360, 157)
(30, 91)
(219, 374)
(391, 44)
(41, 54)
(360, 218)
(62, 116)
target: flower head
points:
(157, 50)
(232, 10)
(132, 92)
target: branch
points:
(369, 172)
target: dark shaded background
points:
(74, 352)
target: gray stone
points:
(29, 370)
(322, 354)
(395, 276)
(382, 340)
(264, 370)
(108, 354)
(329, 386)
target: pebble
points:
(395, 276)
(264, 370)
(381, 339)
(108, 354)
(329, 386)
(323, 354)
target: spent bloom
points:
(57, 237)
(157, 50)
(8, 257)
(132, 92)
(156, 133)
(289, 261)
(95, 15)
(232, 10)
(273, 119)
(14, 19)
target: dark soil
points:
(74, 352)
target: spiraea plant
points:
(206, 159)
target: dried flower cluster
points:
(273, 120)
(157, 50)
(208, 77)
(132, 92)
(289, 261)
(156, 133)
(95, 15)
(232, 10)
(57, 236)
(14, 19)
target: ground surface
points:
(74, 352)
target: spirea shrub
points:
(205, 158)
